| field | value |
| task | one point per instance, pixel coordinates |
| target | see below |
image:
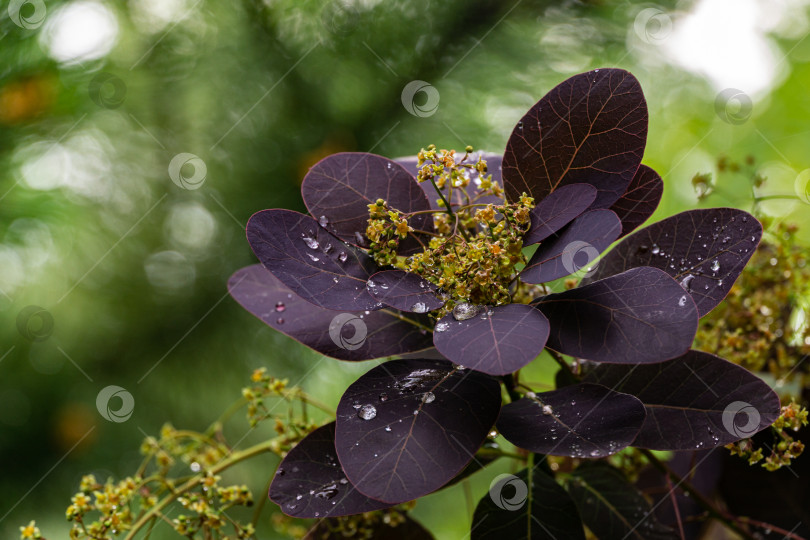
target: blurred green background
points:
(97, 98)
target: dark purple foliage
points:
(341, 335)
(590, 129)
(413, 424)
(612, 508)
(705, 250)
(338, 189)
(408, 529)
(498, 341)
(407, 427)
(558, 210)
(510, 511)
(693, 402)
(316, 265)
(574, 248)
(405, 291)
(639, 316)
(584, 420)
(310, 483)
(640, 200)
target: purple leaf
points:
(339, 188)
(310, 483)
(407, 427)
(346, 336)
(705, 250)
(640, 200)
(584, 420)
(497, 341)
(317, 266)
(493, 167)
(558, 210)
(510, 510)
(406, 529)
(636, 317)
(612, 507)
(574, 248)
(589, 129)
(405, 291)
(696, 401)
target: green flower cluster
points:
(477, 247)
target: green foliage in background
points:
(132, 267)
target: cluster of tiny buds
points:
(785, 449)
(477, 242)
(102, 511)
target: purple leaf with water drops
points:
(574, 248)
(583, 420)
(695, 401)
(557, 210)
(405, 291)
(460, 197)
(635, 317)
(511, 510)
(612, 507)
(338, 189)
(591, 128)
(407, 427)
(310, 483)
(495, 340)
(640, 200)
(705, 250)
(316, 265)
(402, 528)
(341, 335)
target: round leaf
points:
(317, 266)
(591, 128)
(583, 420)
(407, 427)
(341, 335)
(309, 482)
(497, 341)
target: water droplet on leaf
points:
(367, 412)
